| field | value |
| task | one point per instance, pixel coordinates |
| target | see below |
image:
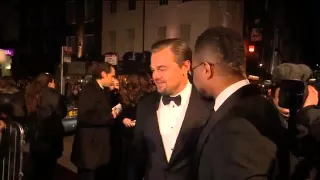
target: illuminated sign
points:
(8, 52)
(111, 58)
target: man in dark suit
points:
(168, 122)
(244, 133)
(91, 145)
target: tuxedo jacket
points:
(243, 139)
(148, 159)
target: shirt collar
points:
(100, 85)
(227, 92)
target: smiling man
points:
(170, 121)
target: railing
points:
(12, 142)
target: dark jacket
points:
(148, 160)
(91, 145)
(242, 139)
(46, 124)
(12, 102)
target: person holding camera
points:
(304, 142)
(300, 72)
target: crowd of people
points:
(196, 118)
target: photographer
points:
(306, 120)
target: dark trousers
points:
(100, 173)
(42, 167)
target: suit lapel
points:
(196, 113)
(154, 130)
(224, 110)
(103, 93)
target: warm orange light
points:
(251, 48)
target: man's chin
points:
(161, 91)
(207, 98)
(205, 95)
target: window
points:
(130, 39)
(132, 5)
(89, 10)
(185, 30)
(113, 41)
(88, 43)
(113, 6)
(185, 0)
(71, 12)
(71, 42)
(162, 33)
(163, 2)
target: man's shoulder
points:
(89, 86)
(149, 99)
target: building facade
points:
(41, 34)
(135, 25)
(83, 32)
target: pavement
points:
(65, 169)
(64, 161)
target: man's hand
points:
(128, 122)
(2, 125)
(313, 97)
(114, 114)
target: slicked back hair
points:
(99, 67)
(178, 47)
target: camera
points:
(293, 94)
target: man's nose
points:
(155, 75)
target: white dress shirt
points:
(170, 119)
(226, 93)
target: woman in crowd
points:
(46, 110)
(132, 90)
(114, 92)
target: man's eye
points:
(162, 69)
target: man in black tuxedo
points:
(91, 145)
(244, 133)
(169, 122)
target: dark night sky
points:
(304, 15)
(9, 22)
(310, 19)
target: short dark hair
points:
(227, 44)
(44, 79)
(99, 67)
(179, 48)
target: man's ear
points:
(103, 74)
(207, 70)
(186, 66)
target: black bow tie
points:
(167, 99)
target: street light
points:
(251, 48)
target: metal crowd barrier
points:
(12, 142)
